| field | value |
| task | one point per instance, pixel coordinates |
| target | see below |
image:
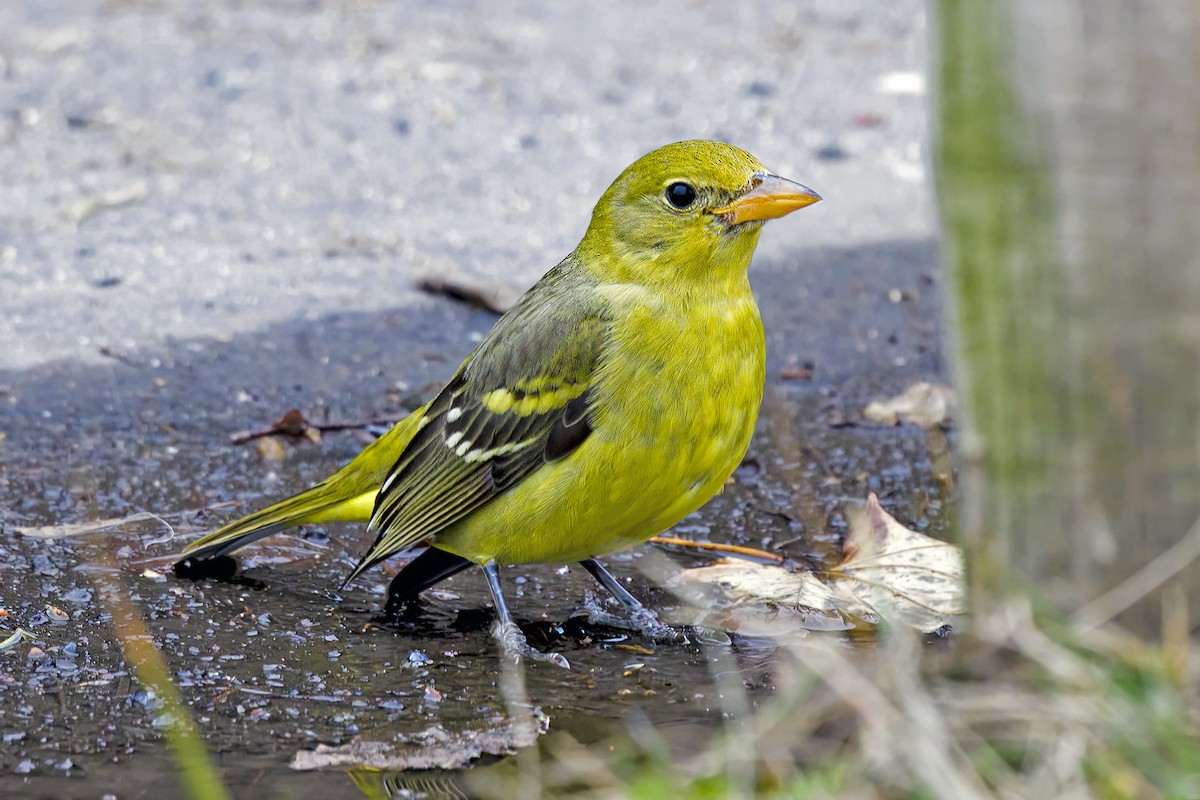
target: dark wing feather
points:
(572, 427)
(519, 401)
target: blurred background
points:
(206, 169)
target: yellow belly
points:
(674, 410)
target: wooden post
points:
(1068, 159)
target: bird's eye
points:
(681, 195)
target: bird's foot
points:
(645, 622)
(514, 644)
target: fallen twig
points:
(101, 525)
(736, 549)
(494, 297)
(294, 423)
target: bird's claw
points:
(645, 622)
(514, 644)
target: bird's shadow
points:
(222, 569)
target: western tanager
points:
(611, 401)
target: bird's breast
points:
(678, 399)
(688, 374)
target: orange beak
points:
(770, 198)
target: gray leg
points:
(614, 587)
(643, 619)
(512, 641)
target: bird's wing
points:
(519, 401)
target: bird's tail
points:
(321, 503)
(346, 496)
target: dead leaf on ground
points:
(922, 404)
(434, 748)
(902, 574)
(292, 423)
(888, 572)
(758, 598)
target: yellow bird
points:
(610, 402)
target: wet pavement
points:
(277, 270)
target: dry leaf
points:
(761, 597)
(888, 572)
(902, 574)
(922, 404)
(292, 423)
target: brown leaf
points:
(292, 423)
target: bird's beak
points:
(770, 198)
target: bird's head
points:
(688, 211)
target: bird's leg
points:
(639, 615)
(512, 641)
(644, 620)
